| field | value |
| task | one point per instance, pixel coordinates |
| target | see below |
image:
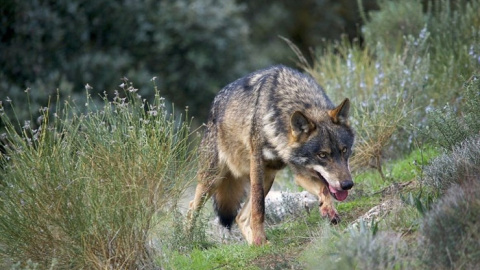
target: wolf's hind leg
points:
(228, 197)
(202, 193)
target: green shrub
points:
(358, 248)
(451, 230)
(84, 189)
(454, 45)
(457, 133)
(200, 46)
(455, 167)
(450, 126)
(394, 21)
(65, 44)
(453, 40)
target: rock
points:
(280, 205)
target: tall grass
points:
(454, 27)
(453, 43)
(84, 188)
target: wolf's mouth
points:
(339, 195)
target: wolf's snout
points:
(346, 185)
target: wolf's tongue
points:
(340, 195)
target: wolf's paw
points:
(335, 220)
(260, 241)
(330, 213)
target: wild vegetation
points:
(193, 47)
(101, 184)
(85, 189)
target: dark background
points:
(193, 48)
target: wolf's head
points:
(321, 146)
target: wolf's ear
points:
(339, 115)
(300, 124)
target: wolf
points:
(260, 124)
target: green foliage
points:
(193, 51)
(97, 186)
(63, 44)
(456, 132)
(174, 234)
(361, 202)
(285, 239)
(236, 256)
(453, 37)
(452, 229)
(194, 47)
(404, 169)
(405, 220)
(455, 45)
(411, 166)
(358, 248)
(450, 126)
(421, 201)
(457, 166)
(307, 23)
(83, 189)
(394, 21)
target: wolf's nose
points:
(346, 185)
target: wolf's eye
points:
(322, 155)
(344, 150)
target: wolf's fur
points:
(261, 123)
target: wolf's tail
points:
(227, 200)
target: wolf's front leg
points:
(318, 188)
(257, 198)
(245, 216)
(327, 206)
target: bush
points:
(200, 47)
(83, 190)
(450, 126)
(62, 44)
(361, 248)
(394, 21)
(453, 37)
(455, 167)
(451, 230)
(457, 133)
(454, 45)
